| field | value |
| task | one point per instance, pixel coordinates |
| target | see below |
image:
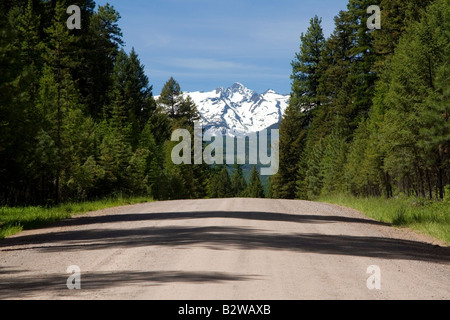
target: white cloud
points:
(207, 64)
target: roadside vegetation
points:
(15, 220)
(424, 216)
(369, 116)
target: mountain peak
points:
(238, 85)
(239, 109)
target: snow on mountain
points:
(238, 110)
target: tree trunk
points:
(441, 183)
(430, 188)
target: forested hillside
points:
(370, 110)
(78, 120)
(368, 115)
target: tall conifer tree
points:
(297, 118)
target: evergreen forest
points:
(369, 112)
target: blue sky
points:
(205, 44)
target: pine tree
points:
(255, 188)
(131, 97)
(99, 41)
(188, 112)
(20, 57)
(332, 91)
(59, 94)
(395, 17)
(305, 78)
(238, 183)
(115, 154)
(171, 97)
(137, 173)
(362, 66)
(79, 149)
(219, 183)
(334, 69)
(158, 176)
(292, 139)
(435, 132)
(334, 159)
(415, 127)
(313, 182)
(364, 174)
(298, 116)
(161, 126)
(224, 189)
(56, 84)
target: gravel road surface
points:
(224, 249)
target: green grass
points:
(14, 220)
(428, 217)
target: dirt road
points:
(223, 249)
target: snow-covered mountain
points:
(238, 110)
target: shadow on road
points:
(26, 286)
(247, 215)
(97, 237)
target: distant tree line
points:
(368, 115)
(78, 119)
(370, 109)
